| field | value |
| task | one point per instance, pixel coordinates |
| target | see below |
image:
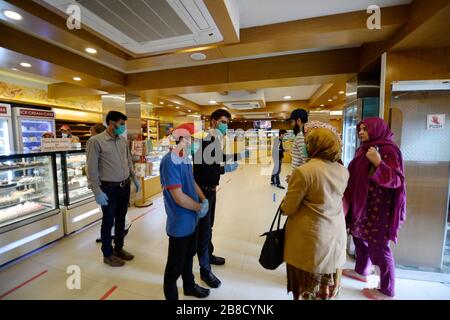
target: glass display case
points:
(27, 188)
(72, 179)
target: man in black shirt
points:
(277, 156)
(207, 170)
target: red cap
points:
(65, 127)
(184, 130)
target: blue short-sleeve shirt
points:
(176, 172)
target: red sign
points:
(3, 110)
(37, 113)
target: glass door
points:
(351, 119)
(5, 144)
(32, 131)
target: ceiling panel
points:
(297, 93)
(257, 12)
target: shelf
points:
(34, 131)
(16, 168)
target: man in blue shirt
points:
(185, 204)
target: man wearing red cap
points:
(185, 204)
(65, 133)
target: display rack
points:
(81, 130)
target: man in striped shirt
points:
(298, 118)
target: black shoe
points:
(218, 261)
(211, 280)
(124, 255)
(280, 186)
(113, 261)
(197, 292)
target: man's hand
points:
(137, 184)
(287, 178)
(374, 156)
(204, 208)
(101, 198)
(231, 167)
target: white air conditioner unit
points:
(256, 115)
(243, 105)
(147, 26)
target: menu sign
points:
(37, 113)
(55, 144)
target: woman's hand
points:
(374, 156)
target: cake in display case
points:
(72, 179)
(27, 187)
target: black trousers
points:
(114, 215)
(276, 172)
(179, 262)
(205, 247)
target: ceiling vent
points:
(243, 105)
(148, 26)
(255, 115)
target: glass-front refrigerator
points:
(76, 199)
(29, 126)
(29, 211)
(6, 140)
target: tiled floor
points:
(244, 211)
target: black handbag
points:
(272, 251)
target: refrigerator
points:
(6, 138)
(29, 125)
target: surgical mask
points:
(64, 135)
(305, 150)
(120, 130)
(223, 127)
(194, 147)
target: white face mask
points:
(65, 135)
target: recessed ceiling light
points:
(341, 92)
(287, 97)
(330, 100)
(322, 105)
(189, 110)
(177, 107)
(198, 56)
(25, 65)
(213, 102)
(12, 15)
(14, 69)
(161, 102)
(91, 50)
(77, 78)
(170, 105)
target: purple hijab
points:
(355, 196)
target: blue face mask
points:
(222, 128)
(120, 130)
(305, 150)
(194, 147)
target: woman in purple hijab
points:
(375, 202)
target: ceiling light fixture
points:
(14, 69)
(287, 97)
(213, 102)
(341, 92)
(161, 102)
(322, 105)
(12, 15)
(330, 100)
(177, 107)
(25, 65)
(77, 78)
(189, 110)
(198, 56)
(91, 50)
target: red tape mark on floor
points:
(108, 293)
(138, 217)
(23, 284)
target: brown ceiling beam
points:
(221, 16)
(319, 93)
(419, 13)
(67, 90)
(25, 44)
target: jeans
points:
(205, 247)
(276, 172)
(179, 262)
(114, 215)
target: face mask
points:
(305, 150)
(64, 135)
(222, 128)
(120, 130)
(194, 147)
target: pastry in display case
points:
(72, 179)
(27, 187)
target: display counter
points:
(29, 208)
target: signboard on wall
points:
(435, 121)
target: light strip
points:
(28, 239)
(85, 215)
